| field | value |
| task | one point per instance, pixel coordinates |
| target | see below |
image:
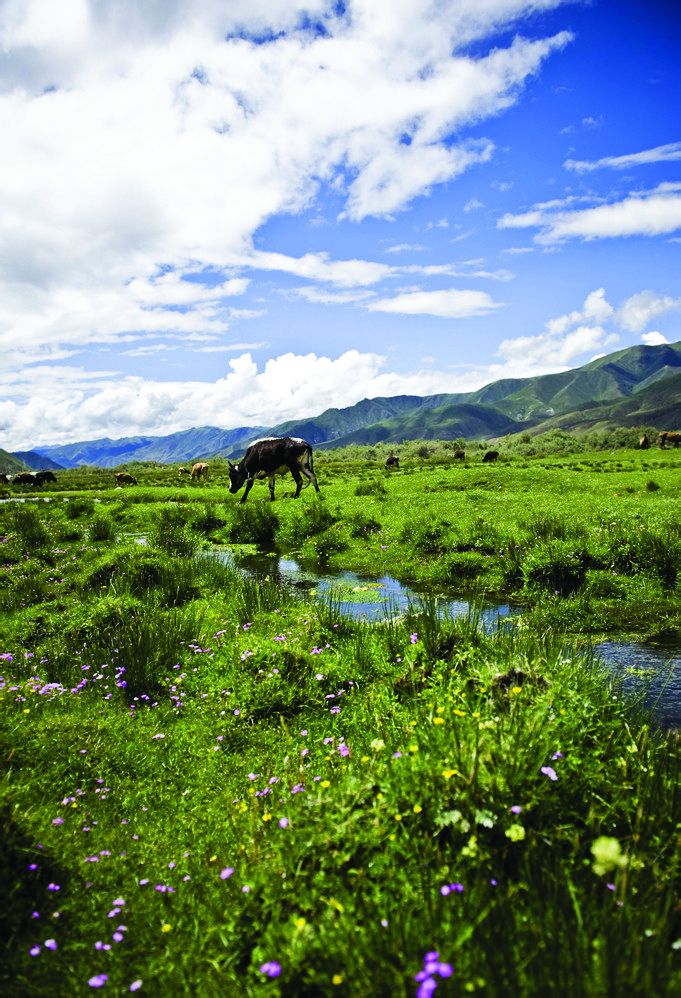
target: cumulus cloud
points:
(448, 304)
(642, 213)
(660, 154)
(564, 339)
(54, 405)
(654, 339)
(147, 136)
(640, 309)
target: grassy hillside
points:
(9, 464)
(497, 409)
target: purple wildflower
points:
(271, 968)
(283, 822)
(226, 873)
(548, 771)
(98, 981)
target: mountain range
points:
(638, 386)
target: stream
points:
(646, 667)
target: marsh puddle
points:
(359, 597)
(655, 668)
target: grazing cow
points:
(24, 478)
(669, 437)
(44, 476)
(199, 471)
(460, 455)
(392, 461)
(123, 478)
(183, 471)
(644, 443)
(4, 479)
(490, 456)
(273, 456)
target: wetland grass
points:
(274, 799)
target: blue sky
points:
(236, 213)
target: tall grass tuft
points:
(26, 522)
(172, 533)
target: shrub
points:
(172, 533)
(26, 522)
(466, 564)
(426, 536)
(371, 487)
(254, 523)
(652, 486)
(102, 527)
(78, 506)
(556, 566)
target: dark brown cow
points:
(4, 479)
(490, 456)
(392, 461)
(24, 478)
(669, 437)
(124, 478)
(273, 456)
(460, 455)
(644, 443)
(44, 476)
(199, 470)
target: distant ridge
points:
(640, 385)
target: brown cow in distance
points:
(491, 455)
(183, 471)
(24, 478)
(392, 461)
(460, 455)
(124, 478)
(199, 470)
(644, 443)
(669, 437)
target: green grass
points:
(378, 791)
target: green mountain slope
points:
(635, 386)
(658, 405)
(10, 464)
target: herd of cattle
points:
(272, 456)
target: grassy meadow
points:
(216, 785)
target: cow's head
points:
(237, 477)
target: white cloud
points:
(654, 339)
(406, 248)
(565, 338)
(448, 304)
(645, 213)
(55, 406)
(140, 135)
(660, 154)
(637, 311)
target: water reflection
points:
(364, 598)
(654, 669)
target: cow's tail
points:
(310, 464)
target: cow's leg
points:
(270, 482)
(297, 479)
(249, 486)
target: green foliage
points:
(102, 526)
(172, 532)
(555, 566)
(26, 522)
(371, 487)
(275, 782)
(254, 523)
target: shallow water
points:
(649, 668)
(652, 670)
